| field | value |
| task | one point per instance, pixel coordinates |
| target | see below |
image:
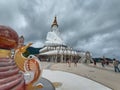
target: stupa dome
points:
(8, 38)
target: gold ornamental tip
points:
(28, 45)
(54, 22)
(24, 48)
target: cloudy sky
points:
(88, 25)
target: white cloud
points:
(86, 24)
(37, 44)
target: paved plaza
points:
(105, 77)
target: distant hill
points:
(31, 50)
(99, 59)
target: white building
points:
(55, 48)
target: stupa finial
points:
(54, 22)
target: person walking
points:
(69, 63)
(103, 63)
(94, 61)
(115, 64)
(75, 62)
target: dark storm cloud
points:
(92, 25)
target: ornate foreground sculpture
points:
(18, 73)
(30, 67)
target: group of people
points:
(103, 63)
(75, 61)
(115, 64)
(106, 62)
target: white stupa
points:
(55, 49)
(53, 36)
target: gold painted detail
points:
(19, 58)
(57, 84)
(5, 53)
(30, 64)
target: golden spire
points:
(54, 22)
